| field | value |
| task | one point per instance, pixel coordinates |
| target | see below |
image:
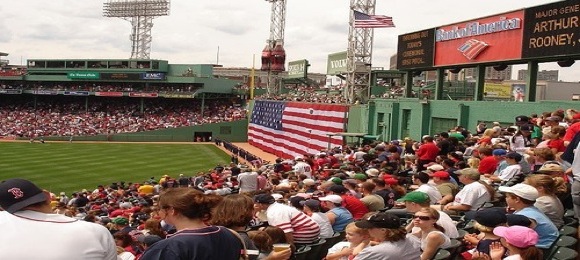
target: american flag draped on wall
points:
(290, 129)
(362, 20)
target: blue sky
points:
(71, 29)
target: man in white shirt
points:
(31, 231)
(248, 181)
(422, 180)
(302, 167)
(472, 196)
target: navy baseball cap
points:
(16, 194)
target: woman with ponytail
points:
(548, 201)
(430, 236)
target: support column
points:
(479, 84)
(408, 84)
(439, 84)
(531, 82)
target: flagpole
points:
(252, 75)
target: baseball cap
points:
(435, 167)
(120, 221)
(298, 158)
(149, 240)
(490, 217)
(551, 167)
(521, 237)
(336, 180)
(576, 116)
(372, 172)
(360, 176)
(415, 196)
(312, 204)
(521, 190)
(469, 173)
(391, 181)
(309, 182)
(515, 156)
(518, 220)
(499, 152)
(264, 199)
(332, 198)
(277, 196)
(522, 119)
(554, 118)
(440, 174)
(380, 220)
(16, 194)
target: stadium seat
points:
(331, 241)
(316, 249)
(462, 233)
(441, 254)
(568, 231)
(302, 253)
(552, 249)
(571, 221)
(567, 241)
(569, 213)
(564, 253)
(454, 246)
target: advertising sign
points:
(153, 76)
(174, 95)
(336, 63)
(10, 91)
(297, 69)
(495, 90)
(45, 92)
(146, 95)
(494, 38)
(415, 50)
(76, 93)
(109, 94)
(83, 75)
(120, 76)
(552, 30)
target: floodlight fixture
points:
(140, 13)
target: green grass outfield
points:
(69, 167)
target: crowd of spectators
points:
(104, 87)
(394, 199)
(67, 116)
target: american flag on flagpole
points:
(291, 129)
(362, 20)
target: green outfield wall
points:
(236, 131)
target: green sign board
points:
(83, 75)
(336, 63)
(297, 69)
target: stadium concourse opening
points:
(360, 137)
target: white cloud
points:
(194, 29)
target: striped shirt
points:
(291, 220)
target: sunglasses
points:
(422, 217)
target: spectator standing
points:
(27, 221)
(426, 153)
(248, 181)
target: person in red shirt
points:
(426, 153)
(556, 143)
(488, 163)
(356, 207)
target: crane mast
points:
(274, 55)
(359, 54)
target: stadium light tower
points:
(359, 54)
(274, 55)
(140, 13)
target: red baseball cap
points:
(440, 174)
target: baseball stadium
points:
(106, 137)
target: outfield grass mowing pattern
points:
(75, 166)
